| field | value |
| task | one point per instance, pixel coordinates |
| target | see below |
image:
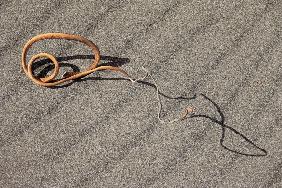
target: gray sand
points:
(104, 132)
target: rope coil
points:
(51, 80)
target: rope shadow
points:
(111, 61)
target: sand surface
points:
(223, 57)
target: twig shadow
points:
(116, 61)
(221, 122)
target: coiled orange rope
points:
(51, 80)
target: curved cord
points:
(50, 80)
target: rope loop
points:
(51, 80)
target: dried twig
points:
(187, 111)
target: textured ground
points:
(103, 131)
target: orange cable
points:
(50, 80)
